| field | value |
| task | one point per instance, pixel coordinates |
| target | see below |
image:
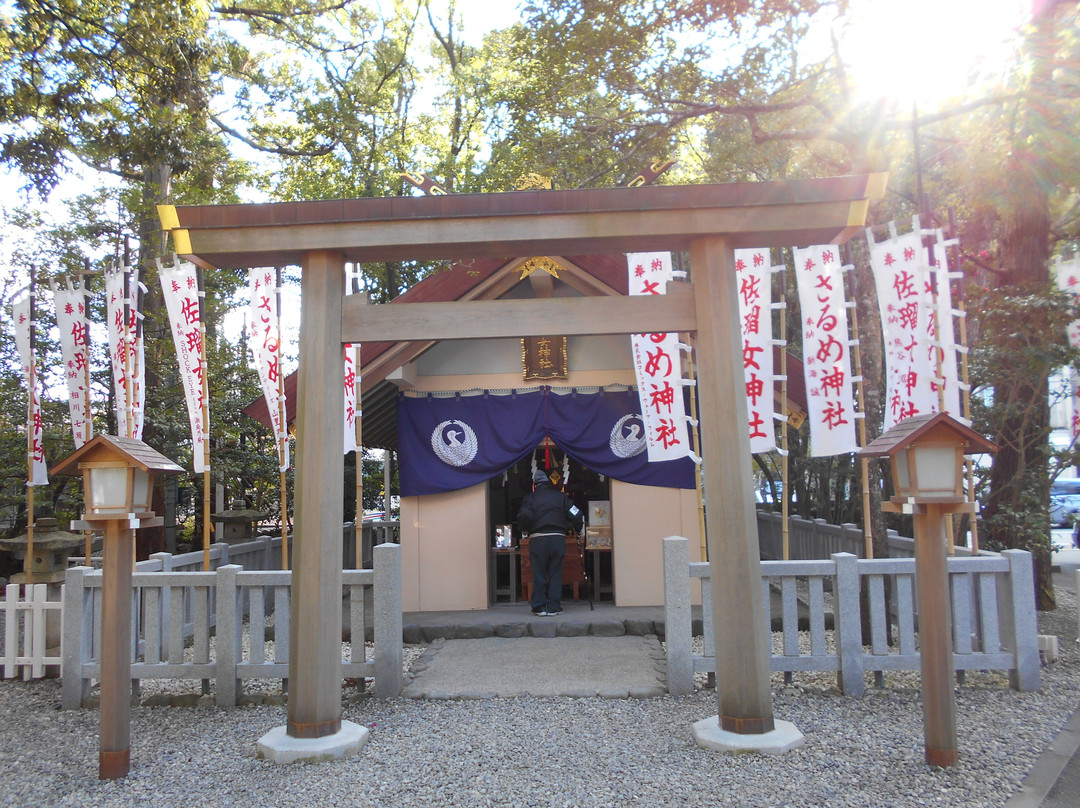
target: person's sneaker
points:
(552, 614)
(540, 613)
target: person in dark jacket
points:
(545, 517)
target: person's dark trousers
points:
(546, 553)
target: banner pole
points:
(88, 425)
(32, 384)
(785, 495)
(125, 340)
(965, 388)
(856, 357)
(283, 434)
(359, 526)
(205, 422)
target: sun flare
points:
(928, 51)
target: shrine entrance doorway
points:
(589, 490)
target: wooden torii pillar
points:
(708, 220)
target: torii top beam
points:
(524, 223)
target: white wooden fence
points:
(190, 625)
(23, 645)
(993, 616)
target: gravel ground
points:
(552, 752)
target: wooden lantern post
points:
(926, 456)
(118, 482)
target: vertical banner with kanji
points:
(826, 351)
(901, 280)
(264, 339)
(180, 286)
(35, 446)
(658, 366)
(71, 321)
(1067, 278)
(754, 269)
(352, 384)
(126, 351)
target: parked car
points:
(1064, 501)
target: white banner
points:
(826, 351)
(352, 382)
(901, 278)
(754, 269)
(71, 321)
(1067, 277)
(35, 446)
(264, 339)
(180, 286)
(658, 366)
(126, 352)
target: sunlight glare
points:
(928, 51)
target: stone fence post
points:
(387, 618)
(677, 620)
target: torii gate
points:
(708, 220)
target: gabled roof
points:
(476, 279)
(134, 451)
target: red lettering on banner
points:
(911, 381)
(748, 352)
(194, 341)
(662, 397)
(755, 388)
(752, 321)
(667, 433)
(827, 346)
(909, 315)
(652, 365)
(904, 284)
(827, 321)
(833, 415)
(190, 309)
(756, 423)
(833, 381)
(650, 288)
(750, 290)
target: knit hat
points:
(540, 477)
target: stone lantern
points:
(49, 560)
(52, 547)
(238, 523)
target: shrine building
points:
(471, 419)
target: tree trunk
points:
(1019, 478)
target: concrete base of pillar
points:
(783, 738)
(278, 746)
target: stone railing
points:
(993, 616)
